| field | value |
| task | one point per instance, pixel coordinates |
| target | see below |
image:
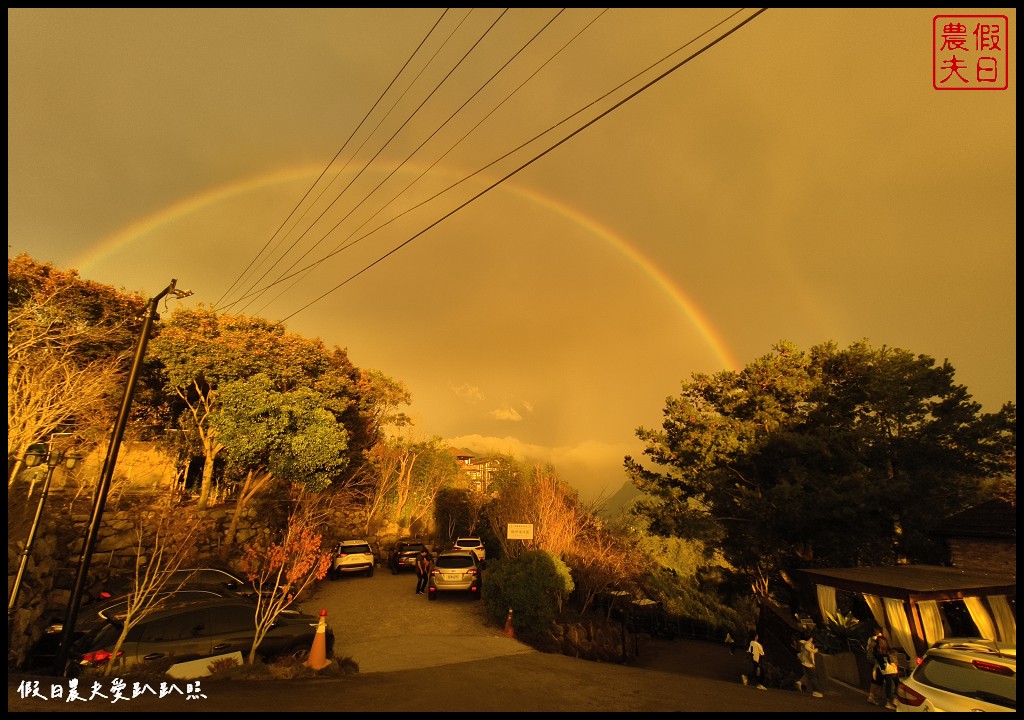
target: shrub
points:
(533, 586)
(834, 635)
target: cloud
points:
(510, 414)
(593, 468)
(469, 393)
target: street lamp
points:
(36, 455)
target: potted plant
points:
(833, 639)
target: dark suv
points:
(192, 630)
(404, 554)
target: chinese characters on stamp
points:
(970, 52)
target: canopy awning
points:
(915, 582)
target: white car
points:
(962, 675)
(473, 544)
(351, 556)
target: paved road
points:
(417, 655)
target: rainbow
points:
(137, 231)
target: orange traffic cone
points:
(508, 624)
(318, 653)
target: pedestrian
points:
(876, 688)
(808, 660)
(755, 651)
(888, 670)
(730, 643)
(422, 572)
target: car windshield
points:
(454, 562)
(353, 549)
(412, 548)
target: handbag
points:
(891, 668)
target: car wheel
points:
(394, 570)
(432, 594)
(369, 573)
(476, 594)
(333, 574)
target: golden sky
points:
(800, 180)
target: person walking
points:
(422, 572)
(808, 660)
(755, 651)
(730, 643)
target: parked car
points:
(474, 544)
(43, 654)
(209, 578)
(193, 629)
(962, 675)
(351, 556)
(404, 554)
(455, 570)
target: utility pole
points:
(100, 501)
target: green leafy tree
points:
(268, 434)
(201, 352)
(829, 457)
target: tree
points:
(405, 479)
(68, 345)
(172, 534)
(201, 352)
(829, 457)
(539, 497)
(269, 434)
(281, 569)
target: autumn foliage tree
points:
(69, 341)
(282, 568)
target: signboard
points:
(520, 531)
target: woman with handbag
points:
(877, 647)
(881, 653)
(890, 678)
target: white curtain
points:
(877, 609)
(1006, 623)
(931, 621)
(826, 601)
(899, 626)
(981, 618)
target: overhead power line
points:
(349, 242)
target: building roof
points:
(996, 519)
(915, 582)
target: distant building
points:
(476, 471)
(983, 537)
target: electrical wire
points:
(517, 169)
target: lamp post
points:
(35, 455)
